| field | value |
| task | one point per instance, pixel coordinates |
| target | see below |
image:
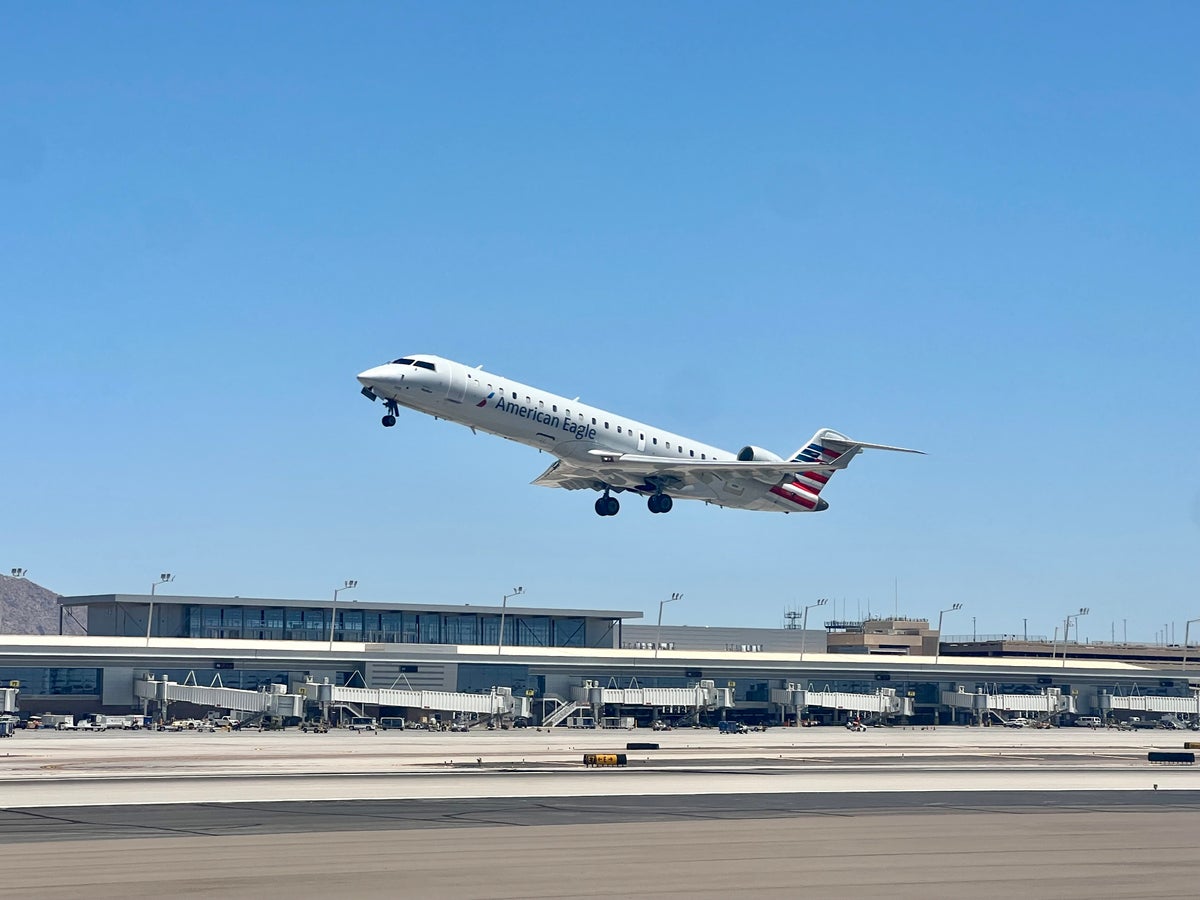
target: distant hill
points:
(28, 608)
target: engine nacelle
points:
(750, 453)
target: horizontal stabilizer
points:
(866, 446)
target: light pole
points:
(1083, 611)
(938, 652)
(974, 633)
(348, 584)
(517, 591)
(804, 626)
(658, 631)
(164, 578)
(1187, 626)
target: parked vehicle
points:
(126, 721)
(1089, 722)
(1017, 722)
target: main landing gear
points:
(392, 408)
(660, 503)
(607, 506)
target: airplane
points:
(602, 451)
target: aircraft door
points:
(641, 441)
(457, 386)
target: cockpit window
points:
(403, 361)
(421, 364)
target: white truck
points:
(128, 721)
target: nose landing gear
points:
(392, 408)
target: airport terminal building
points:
(575, 666)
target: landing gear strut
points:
(392, 408)
(660, 503)
(607, 506)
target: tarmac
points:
(988, 812)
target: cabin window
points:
(593, 420)
(514, 395)
(668, 445)
(618, 429)
(605, 424)
(554, 407)
(691, 453)
(655, 440)
(702, 456)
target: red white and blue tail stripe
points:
(827, 447)
(804, 488)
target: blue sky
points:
(972, 229)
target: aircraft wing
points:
(626, 470)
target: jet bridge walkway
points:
(499, 702)
(593, 697)
(884, 702)
(1049, 703)
(702, 695)
(271, 702)
(1180, 706)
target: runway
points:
(852, 845)
(979, 812)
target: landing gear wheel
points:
(659, 503)
(388, 421)
(607, 506)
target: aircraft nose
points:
(373, 377)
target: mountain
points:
(28, 608)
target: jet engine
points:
(750, 453)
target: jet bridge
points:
(1180, 706)
(884, 702)
(274, 701)
(592, 696)
(1049, 703)
(703, 695)
(499, 702)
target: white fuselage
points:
(566, 428)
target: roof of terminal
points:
(375, 606)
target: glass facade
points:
(40, 682)
(386, 627)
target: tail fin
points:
(826, 447)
